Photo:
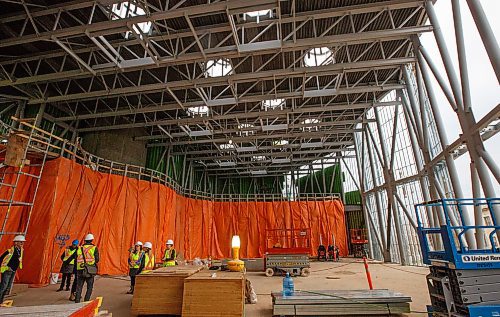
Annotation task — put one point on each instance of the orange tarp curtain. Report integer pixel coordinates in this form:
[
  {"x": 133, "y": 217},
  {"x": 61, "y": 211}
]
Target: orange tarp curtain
[{"x": 74, "y": 200}]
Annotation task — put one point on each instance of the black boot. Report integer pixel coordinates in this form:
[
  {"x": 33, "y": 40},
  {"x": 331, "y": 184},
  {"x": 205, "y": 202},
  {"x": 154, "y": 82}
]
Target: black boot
[
  {"x": 60, "y": 289},
  {"x": 131, "y": 291}
]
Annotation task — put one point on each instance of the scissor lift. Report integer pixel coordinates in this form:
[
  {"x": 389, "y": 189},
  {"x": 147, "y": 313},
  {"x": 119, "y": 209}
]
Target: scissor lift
[
  {"x": 359, "y": 241},
  {"x": 462, "y": 281},
  {"x": 288, "y": 250}
]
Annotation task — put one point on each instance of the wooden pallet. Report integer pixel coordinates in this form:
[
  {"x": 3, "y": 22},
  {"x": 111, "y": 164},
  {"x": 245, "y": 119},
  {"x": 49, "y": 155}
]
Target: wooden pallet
[
  {"x": 222, "y": 295},
  {"x": 159, "y": 292},
  {"x": 341, "y": 302}
]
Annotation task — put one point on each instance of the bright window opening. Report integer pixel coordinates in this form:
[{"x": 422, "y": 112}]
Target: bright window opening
[
  {"x": 258, "y": 15},
  {"x": 127, "y": 9},
  {"x": 280, "y": 142},
  {"x": 311, "y": 124},
  {"x": 274, "y": 103},
  {"x": 319, "y": 56},
  {"x": 198, "y": 111},
  {"x": 218, "y": 68},
  {"x": 259, "y": 158}
]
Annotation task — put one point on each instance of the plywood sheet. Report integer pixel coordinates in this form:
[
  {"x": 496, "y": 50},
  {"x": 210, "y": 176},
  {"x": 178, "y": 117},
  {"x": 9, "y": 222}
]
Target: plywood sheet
[
  {"x": 206, "y": 294},
  {"x": 161, "y": 291}
]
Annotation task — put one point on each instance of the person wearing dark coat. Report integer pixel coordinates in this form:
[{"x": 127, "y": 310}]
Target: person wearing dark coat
[{"x": 68, "y": 266}]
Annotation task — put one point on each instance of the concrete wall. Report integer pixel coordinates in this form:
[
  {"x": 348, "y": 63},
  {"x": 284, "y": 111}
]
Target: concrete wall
[{"x": 117, "y": 145}]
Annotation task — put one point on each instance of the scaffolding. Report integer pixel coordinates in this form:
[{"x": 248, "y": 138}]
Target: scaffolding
[{"x": 22, "y": 164}]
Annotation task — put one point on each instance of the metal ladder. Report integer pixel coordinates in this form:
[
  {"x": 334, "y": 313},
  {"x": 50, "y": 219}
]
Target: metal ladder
[{"x": 37, "y": 147}]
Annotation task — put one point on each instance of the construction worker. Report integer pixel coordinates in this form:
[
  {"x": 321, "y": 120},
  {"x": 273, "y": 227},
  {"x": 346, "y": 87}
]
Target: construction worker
[
  {"x": 68, "y": 265},
  {"x": 87, "y": 257},
  {"x": 170, "y": 254},
  {"x": 149, "y": 258},
  {"x": 11, "y": 259},
  {"x": 135, "y": 264}
]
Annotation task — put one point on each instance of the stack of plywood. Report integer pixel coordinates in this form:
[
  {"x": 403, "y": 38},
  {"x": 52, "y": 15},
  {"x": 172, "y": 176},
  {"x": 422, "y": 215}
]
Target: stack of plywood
[
  {"x": 85, "y": 309},
  {"x": 341, "y": 302},
  {"x": 159, "y": 292},
  {"x": 220, "y": 295}
]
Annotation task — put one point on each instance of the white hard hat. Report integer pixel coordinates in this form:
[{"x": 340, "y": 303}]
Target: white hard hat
[
  {"x": 89, "y": 237},
  {"x": 138, "y": 243},
  {"x": 19, "y": 238},
  {"x": 148, "y": 245},
  {"x": 170, "y": 241}
]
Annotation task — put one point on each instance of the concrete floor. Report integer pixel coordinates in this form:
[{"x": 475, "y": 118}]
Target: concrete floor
[{"x": 347, "y": 274}]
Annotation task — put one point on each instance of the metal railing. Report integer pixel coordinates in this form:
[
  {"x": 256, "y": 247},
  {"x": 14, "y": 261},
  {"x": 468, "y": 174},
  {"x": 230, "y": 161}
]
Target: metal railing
[{"x": 75, "y": 152}]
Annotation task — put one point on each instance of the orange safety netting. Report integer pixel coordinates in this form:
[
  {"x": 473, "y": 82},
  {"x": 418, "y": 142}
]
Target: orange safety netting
[{"x": 74, "y": 200}]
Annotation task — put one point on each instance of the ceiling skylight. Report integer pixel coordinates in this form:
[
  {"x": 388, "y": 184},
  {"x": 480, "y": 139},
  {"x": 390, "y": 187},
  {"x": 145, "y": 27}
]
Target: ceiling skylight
[
  {"x": 319, "y": 56},
  {"x": 310, "y": 124},
  {"x": 198, "y": 111},
  {"x": 280, "y": 142},
  {"x": 226, "y": 146},
  {"x": 273, "y": 103},
  {"x": 258, "y": 15},
  {"x": 218, "y": 67},
  {"x": 127, "y": 9},
  {"x": 258, "y": 158},
  {"x": 246, "y": 128}
]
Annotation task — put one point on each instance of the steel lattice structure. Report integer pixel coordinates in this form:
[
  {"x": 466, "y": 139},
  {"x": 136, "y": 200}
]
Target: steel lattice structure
[{"x": 88, "y": 68}]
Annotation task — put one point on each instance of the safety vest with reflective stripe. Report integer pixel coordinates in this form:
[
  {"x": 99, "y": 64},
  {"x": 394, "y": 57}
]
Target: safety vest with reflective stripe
[
  {"x": 7, "y": 258},
  {"x": 87, "y": 251},
  {"x": 134, "y": 260},
  {"x": 150, "y": 262},
  {"x": 69, "y": 253},
  {"x": 167, "y": 255}
]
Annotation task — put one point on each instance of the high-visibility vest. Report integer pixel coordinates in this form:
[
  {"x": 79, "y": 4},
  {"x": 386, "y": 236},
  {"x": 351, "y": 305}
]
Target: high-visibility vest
[
  {"x": 167, "y": 255},
  {"x": 134, "y": 260},
  {"x": 69, "y": 253},
  {"x": 150, "y": 263},
  {"x": 87, "y": 251},
  {"x": 7, "y": 258}
]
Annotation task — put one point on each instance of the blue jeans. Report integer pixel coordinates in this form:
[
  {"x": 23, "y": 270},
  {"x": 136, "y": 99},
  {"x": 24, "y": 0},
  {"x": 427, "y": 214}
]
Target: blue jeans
[{"x": 7, "y": 278}]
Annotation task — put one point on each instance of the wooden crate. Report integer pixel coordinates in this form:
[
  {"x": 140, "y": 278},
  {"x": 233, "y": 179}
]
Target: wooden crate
[
  {"x": 159, "y": 292},
  {"x": 223, "y": 295}
]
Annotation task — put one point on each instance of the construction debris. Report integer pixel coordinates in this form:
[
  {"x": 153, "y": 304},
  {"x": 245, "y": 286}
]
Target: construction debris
[{"x": 341, "y": 302}]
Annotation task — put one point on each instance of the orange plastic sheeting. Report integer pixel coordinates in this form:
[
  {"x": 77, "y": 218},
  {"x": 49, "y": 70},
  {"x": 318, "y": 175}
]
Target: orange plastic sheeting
[{"x": 74, "y": 200}]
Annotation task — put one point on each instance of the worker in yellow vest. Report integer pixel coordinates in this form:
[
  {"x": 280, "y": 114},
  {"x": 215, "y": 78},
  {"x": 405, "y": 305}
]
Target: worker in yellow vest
[
  {"x": 149, "y": 257},
  {"x": 11, "y": 260},
  {"x": 87, "y": 257},
  {"x": 135, "y": 264},
  {"x": 170, "y": 254},
  {"x": 68, "y": 265}
]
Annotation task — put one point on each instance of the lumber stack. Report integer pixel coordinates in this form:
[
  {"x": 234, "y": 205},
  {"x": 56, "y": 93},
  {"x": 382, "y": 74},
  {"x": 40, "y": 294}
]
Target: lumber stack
[
  {"x": 207, "y": 295},
  {"x": 85, "y": 309},
  {"x": 341, "y": 302},
  {"x": 159, "y": 292}
]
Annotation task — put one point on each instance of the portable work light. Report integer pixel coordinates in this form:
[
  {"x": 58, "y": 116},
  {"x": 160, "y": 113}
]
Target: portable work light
[{"x": 236, "y": 265}]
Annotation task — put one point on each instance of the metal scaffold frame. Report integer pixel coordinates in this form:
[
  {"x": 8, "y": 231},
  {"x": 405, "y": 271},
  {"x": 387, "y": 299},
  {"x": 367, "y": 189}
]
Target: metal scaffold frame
[
  {"x": 429, "y": 173},
  {"x": 32, "y": 157}
]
